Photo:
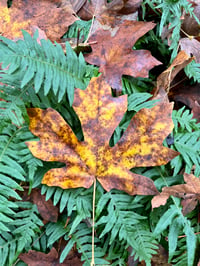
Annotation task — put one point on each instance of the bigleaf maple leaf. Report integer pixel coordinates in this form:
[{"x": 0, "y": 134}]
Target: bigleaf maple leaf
[
  {"x": 92, "y": 158},
  {"x": 51, "y": 16},
  {"x": 112, "y": 51}
]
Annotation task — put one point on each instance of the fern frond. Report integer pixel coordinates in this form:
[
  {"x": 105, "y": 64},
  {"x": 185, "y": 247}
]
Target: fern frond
[
  {"x": 56, "y": 230},
  {"x": 132, "y": 85},
  {"x": 120, "y": 218},
  {"x": 180, "y": 257},
  {"x": 11, "y": 105},
  {"x": 116, "y": 252},
  {"x": 78, "y": 200},
  {"x": 183, "y": 121},
  {"x": 171, "y": 12},
  {"x": 143, "y": 242},
  {"x": 138, "y": 101},
  {"x": 11, "y": 173},
  {"x": 23, "y": 228},
  {"x": 46, "y": 65},
  {"x": 192, "y": 70},
  {"x": 121, "y": 221},
  {"x": 188, "y": 144},
  {"x": 79, "y": 28},
  {"x": 82, "y": 238},
  {"x": 171, "y": 218}
]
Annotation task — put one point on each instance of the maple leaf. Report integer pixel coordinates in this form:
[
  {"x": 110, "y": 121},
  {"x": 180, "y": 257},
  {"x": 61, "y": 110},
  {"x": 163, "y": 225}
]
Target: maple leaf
[
  {"x": 112, "y": 51},
  {"x": 92, "y": 158},
  {"x": 47, "y": 15},
  {"x": 190, "y": 192}
]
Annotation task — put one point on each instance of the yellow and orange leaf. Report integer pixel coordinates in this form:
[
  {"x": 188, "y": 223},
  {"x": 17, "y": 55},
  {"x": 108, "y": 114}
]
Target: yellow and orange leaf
[
  {"x": 51, "y": 16},
  {"x": 92, "y": 158}
]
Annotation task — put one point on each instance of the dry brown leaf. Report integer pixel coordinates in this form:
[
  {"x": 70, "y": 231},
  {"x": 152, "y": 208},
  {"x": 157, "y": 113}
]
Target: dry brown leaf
[
  {"x": 115, "y": 8},
  {"x": 112, "y": 51},
  {"x": 100, "y": 113},
  {"x": 189, "y": 24},
  {"x": 191, "y": 47},
  {"x": 36, "y": 258},
  {"x": 188, "y": 96},
  {"x": 189, "y": 192},
  {"x": 49, "y": 15},
  {"x": 47, "y": 210},
  {"x": 196, "y": 111},
  {"x": 165, "y": 78}
]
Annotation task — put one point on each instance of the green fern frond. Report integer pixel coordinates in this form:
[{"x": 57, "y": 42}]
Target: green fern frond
[
  {"x": 117, "y": 253},
  {"x": 120, "y": 218},
  {"x": 171, "y": 12},
  {"x": 11, "y": 173},
  {"x": 121, "y": 221},
  {"x": 11, "y": 106},
  {"x": 192, "y": 70},
  {"x": 132, "y": 85},
  {"x": 188, "y": 144},
  {"x": 143, "y": 242},
  {"x": 56, "y": 230},
  {"x": 45, "y": 64},
  {"x": 23, "y": 228},
  {"x": 79, "y": 27},
  {"x": 82, "y": 238},
  {"x": 183, "y": 121},
  {"x": 180, "y": 256},
  {"x": 138, "y": 101},
  {"x": 78, "y": 200},
  {"x": 171, "y": 218}
]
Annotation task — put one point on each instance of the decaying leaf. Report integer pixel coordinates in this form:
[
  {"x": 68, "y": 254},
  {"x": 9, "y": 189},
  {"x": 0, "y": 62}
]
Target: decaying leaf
[
  {"x": 100, "y": 114},
  {"x": 36, "y": 258},
  {"x": 188, "y": 96},
  {"x": 52, "y": 16},
  {"x": 112, "y": 51},
  {"x": 165, "y": 78},
  {"x": 189, "y": 192},
  {"x": 191, "y": 47},
  {"x": 102, "y": 7},
  {"x": 47, "y": 210}
]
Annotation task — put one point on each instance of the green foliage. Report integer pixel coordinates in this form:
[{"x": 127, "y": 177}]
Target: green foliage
[
  {"x": 174, "y": 219},
  {"x": 20, "y": 233},
  {"x": 192, "y": 70},
  {"x": 79, "y": 28},
  {"x": 171, "y": 12},
  {"x": 186, "y": 141},
  {"x": 123, "y": 222},
  {"x": 43, "y": 76},
  {"x": 46, "y": 65}
]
